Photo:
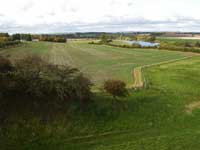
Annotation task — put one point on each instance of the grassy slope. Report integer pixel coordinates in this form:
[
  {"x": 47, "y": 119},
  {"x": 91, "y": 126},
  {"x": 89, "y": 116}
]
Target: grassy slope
[
  {"x": 98, "y": 61},
  {"x": 152, "y": 119},
  {"x": 176, "y": 39},
  {"x": 156, "y": 118}
]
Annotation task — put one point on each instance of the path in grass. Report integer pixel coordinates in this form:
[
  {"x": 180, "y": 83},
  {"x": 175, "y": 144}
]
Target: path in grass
[
  {"x": 139, "y": 79},
  {"x": 178, "y": 130}
]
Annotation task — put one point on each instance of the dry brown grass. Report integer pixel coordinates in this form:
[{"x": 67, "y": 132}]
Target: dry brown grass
[
  {"x": 192, "y": 106},
  {"x": 137, "y": 75}
]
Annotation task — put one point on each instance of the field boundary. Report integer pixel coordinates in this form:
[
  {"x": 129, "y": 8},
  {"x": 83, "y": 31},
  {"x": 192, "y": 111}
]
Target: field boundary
[{"x": 139, "y": 80}]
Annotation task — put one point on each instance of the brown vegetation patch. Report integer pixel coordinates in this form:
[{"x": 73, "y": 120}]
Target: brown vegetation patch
[{"x": 192, "y": 106}]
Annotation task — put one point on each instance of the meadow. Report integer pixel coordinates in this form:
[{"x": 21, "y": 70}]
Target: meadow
[
  {"x": 163, "y": 116},
  {"x": 99, "y": 62}
]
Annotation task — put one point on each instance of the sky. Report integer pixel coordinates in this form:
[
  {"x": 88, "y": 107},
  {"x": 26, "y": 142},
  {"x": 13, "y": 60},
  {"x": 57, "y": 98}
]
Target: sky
[{"x": 62, "y": 16}]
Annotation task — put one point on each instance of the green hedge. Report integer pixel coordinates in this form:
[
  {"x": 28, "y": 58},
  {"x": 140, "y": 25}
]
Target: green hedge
[{"x": 9, "y": 43}]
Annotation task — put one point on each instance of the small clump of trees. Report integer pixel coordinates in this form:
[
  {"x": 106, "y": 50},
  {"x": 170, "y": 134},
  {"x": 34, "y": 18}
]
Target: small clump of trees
[
  {"x": 16, "y": 37},
  {"x": 25, "y": 37},
  {"x": 116, "y": 88},
  {"x": 197, "y": 44},
  {"x": 105, "y": 39},
  {"x": 7, "y": 41},
  {"x": 37, "y": 79},
  {"x": 58, "y": 39}
]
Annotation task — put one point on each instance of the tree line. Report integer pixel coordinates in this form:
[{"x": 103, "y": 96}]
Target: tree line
[
  {"x": 15, "y": 37},
  {"x": 7, "y": 40},
  {"x": 53, "y": 38}
]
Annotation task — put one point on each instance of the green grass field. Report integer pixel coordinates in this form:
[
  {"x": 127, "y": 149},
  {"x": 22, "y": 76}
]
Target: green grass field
[
  {"x": 99, "y": 62},
  {"x": 164, "y": 116},
  {"x": 176, "y": 39}
]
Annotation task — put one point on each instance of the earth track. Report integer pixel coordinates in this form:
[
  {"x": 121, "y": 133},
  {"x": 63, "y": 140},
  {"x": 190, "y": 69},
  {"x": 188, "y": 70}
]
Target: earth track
[{"x": 137, "y": 73}]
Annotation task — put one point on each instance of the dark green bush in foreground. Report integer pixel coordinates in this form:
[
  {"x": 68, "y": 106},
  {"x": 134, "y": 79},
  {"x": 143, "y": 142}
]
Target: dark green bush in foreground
[{"x": 37, "y": 79}]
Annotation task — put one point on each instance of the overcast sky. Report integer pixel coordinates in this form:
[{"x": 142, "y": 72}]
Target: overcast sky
[{"x": 56, "y": 16}]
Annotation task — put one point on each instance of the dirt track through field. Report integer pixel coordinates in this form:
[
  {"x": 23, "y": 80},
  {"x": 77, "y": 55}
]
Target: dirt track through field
[
  {"x": 139, "y": 79},
  {"x": 60, "y": 55},
  {"x": 192, "y": 106}
]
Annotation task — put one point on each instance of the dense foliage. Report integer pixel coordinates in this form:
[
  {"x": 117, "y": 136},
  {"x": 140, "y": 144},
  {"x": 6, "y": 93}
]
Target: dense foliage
[
  {"x": 7, "y": 41},
  {"x": 35, "y": 78},
  {"x": 25, "y": 37},
  {"x": 105, "y": 39},
  {"x": 16, "y": 37},
  {"x": 48, "y": 38},
  {"x": 4, "y": 35},
  {"x": 6, "y": 44},
  {"x": 179, "y": 45},
  {"x": 116, "y": 88}
]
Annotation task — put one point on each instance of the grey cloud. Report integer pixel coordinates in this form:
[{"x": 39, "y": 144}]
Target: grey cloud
[
  {"x": 27, "y": 6},
  {"x": 130, "y": 4},
  {"x": 113, "y": 25},
  {"x": 40, "y": 16},
  {"x": 74, "y": 10},
  {"x": 51, "y": 13}
]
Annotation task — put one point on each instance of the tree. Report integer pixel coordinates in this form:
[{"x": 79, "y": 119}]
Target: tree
[
  {"x": 187, "y": 44},
  {"x": 16, "y": 37},
  {"x": 38, "y": 79},
  {"x": 105, "y": 39},
  {"x": 116, "y": 88},
  {"x": 26, "y": 37},
  {"x": 4, "y": 35},
  {"x": 151, "y": 38},
  {"x": 197, "y": 44}
]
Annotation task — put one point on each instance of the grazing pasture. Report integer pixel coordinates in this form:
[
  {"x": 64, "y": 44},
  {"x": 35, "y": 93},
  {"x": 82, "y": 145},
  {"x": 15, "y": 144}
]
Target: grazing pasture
[
  {"x": 163, "y": 116},
  {"x": 99, "y": 62}
]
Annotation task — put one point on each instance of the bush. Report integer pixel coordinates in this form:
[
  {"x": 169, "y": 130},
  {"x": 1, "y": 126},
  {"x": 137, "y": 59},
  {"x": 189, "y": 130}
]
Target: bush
[
  {"x": 16, "y": 37},
  {"x": 5, "y": 65},
  {"x": 37, "y": 79},
  {"x": 6, "y": 44},
  {"x": 105, "y": 39},
  {"x": 92, "y": 42},
  {"x": 116, "y": 88},
  {"x": 26, "y": 37},
  {"x": 197, "y": 44},
  {"x": 5, "y": 68}
]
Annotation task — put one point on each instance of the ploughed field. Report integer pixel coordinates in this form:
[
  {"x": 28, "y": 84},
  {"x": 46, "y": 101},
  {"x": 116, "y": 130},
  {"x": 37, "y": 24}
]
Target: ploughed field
[{"x": 99, "y": 62}]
